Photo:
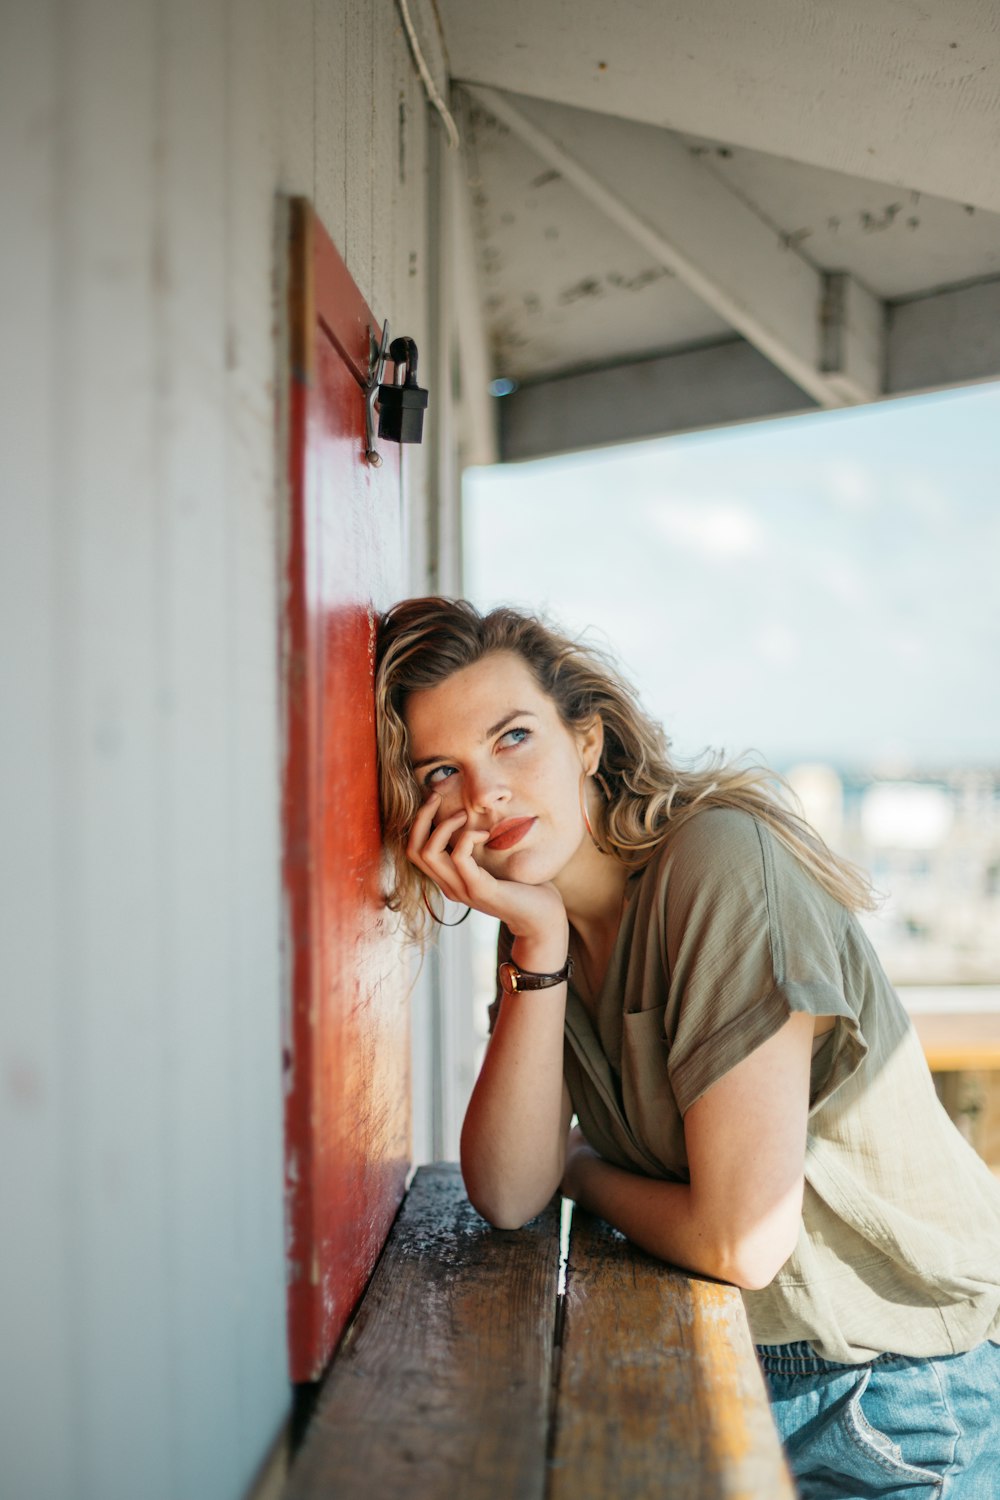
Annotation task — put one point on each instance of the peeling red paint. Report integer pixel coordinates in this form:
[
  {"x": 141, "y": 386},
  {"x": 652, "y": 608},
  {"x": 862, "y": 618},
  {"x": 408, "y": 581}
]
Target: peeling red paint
[{"x": 347, "y": 1102}]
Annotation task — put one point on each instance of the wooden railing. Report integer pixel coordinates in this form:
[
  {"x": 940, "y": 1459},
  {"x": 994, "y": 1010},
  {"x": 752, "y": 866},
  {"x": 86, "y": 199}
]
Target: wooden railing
[{"x": 469, "y": 1372}]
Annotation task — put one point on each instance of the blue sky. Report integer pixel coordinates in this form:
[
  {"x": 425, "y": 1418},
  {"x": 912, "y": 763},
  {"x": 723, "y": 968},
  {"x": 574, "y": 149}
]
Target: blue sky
[{"x": 822, "y": 587}]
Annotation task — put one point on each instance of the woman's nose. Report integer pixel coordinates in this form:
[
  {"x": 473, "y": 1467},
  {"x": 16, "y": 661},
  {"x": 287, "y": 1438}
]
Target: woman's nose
[{"x": 485, "y": 791}]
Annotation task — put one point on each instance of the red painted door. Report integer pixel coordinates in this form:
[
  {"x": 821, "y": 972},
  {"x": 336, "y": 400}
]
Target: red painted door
[{"x": 347, "y": 1058}]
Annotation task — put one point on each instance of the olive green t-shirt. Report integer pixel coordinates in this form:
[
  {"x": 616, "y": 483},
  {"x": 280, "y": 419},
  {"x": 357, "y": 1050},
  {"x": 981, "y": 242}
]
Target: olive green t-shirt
[{"x": 723, "y": 935}]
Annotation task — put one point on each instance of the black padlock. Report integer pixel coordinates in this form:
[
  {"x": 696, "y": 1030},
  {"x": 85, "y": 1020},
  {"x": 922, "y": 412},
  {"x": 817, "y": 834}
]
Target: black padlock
[{"x": 402, "y": 404}]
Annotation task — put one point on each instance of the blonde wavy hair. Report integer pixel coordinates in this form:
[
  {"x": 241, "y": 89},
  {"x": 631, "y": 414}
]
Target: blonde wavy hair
[{"x": 422, "y": 642}]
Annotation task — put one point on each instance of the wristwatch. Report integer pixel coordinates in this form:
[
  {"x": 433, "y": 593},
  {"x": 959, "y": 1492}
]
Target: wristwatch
[{"x": 513, "y": 979}]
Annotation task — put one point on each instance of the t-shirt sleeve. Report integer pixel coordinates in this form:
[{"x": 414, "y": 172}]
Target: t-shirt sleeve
[{"x": 750, "y": 937}]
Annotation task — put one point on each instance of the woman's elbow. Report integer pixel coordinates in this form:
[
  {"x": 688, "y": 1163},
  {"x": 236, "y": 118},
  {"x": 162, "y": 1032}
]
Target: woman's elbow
[
  {"x": 753, "y": 1274},
  {"x": 503, "y": 1203},
  {"x": 753, "y": 1262},
  {"x": 502, "y": 1210},
  {"x": 506, "y": 1199},
  {"x": 498, "y": 1218}
]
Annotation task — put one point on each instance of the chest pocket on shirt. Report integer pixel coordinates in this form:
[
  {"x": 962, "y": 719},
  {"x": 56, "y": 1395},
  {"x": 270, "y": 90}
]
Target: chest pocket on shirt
[{"x": 650, "y": 1107}]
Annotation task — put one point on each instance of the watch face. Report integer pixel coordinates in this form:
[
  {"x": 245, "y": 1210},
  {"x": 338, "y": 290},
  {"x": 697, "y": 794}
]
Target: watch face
[
  {"x": 514, "y": 980},
  {"x": 508, "y": 976}
]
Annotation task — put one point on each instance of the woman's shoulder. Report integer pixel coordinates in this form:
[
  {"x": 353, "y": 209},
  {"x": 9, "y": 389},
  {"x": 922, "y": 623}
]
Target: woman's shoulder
[
  {"x": 714, "y": 834},
  {"x": 714, "y": 850},
  {"x": 723, "y": 858},
  {"x": 729, "y": 849}
]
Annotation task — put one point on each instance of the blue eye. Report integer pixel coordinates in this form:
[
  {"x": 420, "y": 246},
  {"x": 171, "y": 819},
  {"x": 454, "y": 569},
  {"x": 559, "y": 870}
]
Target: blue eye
[
  {"x": 509, "y": 740},
  {"x": 439, "y": 774}
]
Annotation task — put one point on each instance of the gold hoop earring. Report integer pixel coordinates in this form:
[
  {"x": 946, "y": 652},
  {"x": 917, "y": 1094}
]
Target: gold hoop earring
[
  {"x": 583, "y": 808},
  {"x": 440, "y": 923}
]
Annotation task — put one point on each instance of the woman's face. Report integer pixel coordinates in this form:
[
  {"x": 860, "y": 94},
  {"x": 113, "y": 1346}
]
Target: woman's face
[{"x": 493, "y": 746}]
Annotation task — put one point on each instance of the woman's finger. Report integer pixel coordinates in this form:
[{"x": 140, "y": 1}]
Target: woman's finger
[
  {"x": 463, "y": 854},
  {"x": 429, "y": 839},
  {"x": 456, "y": 872},
  {"x": 434, "y": 857},
  {"x": 422, "y": 825},
  {"x": 445, "y": 878},
  {"x": 440, "y": 839}
]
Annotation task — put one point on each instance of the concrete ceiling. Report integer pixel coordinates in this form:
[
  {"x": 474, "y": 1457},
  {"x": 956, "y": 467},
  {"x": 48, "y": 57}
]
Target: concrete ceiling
[
  {"x": 651, "y": 177},
  {"x": 904, "y": 92}
]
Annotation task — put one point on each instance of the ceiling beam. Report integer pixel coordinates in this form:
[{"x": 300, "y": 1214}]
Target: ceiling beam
[
  {"x": 950, "y": 337},
  {"x": 945, "y": 339},
  {"x": 826, "y": 334},
  {"x": 717, "y": 385}
]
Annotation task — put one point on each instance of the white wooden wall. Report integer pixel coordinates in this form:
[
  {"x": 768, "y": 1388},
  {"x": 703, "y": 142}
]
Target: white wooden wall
[{"x": 141, "y": 1252}]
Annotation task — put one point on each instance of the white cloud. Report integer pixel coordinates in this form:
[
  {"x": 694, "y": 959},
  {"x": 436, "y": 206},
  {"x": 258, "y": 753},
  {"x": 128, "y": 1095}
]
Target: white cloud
[{"x": 717, "y": 529}]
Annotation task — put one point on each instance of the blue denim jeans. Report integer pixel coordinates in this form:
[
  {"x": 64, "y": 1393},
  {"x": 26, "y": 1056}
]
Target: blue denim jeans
[{"x": 917, "y": 1429}]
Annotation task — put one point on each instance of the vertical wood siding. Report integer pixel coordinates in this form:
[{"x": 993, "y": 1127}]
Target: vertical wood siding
[
  {"x": 35, "y": 1301},
  {"x": 142, "y": 1261}
]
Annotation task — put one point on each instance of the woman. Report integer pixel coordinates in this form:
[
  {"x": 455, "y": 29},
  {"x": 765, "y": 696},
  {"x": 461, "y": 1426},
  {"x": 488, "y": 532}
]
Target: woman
[{"x": 682, "y": 969}]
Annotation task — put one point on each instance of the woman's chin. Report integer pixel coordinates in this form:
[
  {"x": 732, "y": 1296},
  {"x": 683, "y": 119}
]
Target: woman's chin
[
  {"x": 526, "y": 866},
  {"x": 502, "y": 863}
]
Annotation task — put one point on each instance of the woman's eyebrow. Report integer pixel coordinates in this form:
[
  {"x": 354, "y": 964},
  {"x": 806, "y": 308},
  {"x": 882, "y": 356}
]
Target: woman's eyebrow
[{"x": 517, "y": 713}]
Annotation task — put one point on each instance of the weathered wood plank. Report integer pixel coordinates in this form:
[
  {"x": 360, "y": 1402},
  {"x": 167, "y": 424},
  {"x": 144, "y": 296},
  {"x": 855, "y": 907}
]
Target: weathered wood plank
[
  {"x": 39, "y": 1400},
  {"x": 256, "y": 988},
  {"x": 442, "y": 1384},
  {"x": 414, "y": 293},
  {"x": 659, "y": 1389},
  {"x": 114, "y": 887},
  {"x": 386, "y": 38},
  {"x": 295, "y": 83},
  {"x": 359, "y": 143},
  {"x": 195, "y": 534},
  {"x": 337, "y": 188}
]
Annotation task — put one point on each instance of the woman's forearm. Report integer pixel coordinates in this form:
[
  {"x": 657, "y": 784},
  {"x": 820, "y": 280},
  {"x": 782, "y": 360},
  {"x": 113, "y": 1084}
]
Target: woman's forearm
[
  {"x": 740, "y": 1216},
  {"x": 667, "y": 1220},
  {"x": 514, "y": 1135}
]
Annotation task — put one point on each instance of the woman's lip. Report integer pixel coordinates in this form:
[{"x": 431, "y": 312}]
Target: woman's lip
[{"x": 509, "y": 833}]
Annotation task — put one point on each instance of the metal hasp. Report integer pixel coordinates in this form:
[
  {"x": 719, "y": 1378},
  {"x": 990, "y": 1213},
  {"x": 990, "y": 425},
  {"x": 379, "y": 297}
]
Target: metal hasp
[
  {"x": 376, "y": 368},
  {"x": 402, "y": 404}
]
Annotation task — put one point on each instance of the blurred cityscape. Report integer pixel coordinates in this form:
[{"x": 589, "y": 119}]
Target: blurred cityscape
[{"x": 931, "y": 842}]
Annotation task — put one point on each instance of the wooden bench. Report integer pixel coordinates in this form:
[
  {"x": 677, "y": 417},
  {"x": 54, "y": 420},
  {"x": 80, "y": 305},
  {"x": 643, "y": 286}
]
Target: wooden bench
[{"x": 473, "y": 1368}]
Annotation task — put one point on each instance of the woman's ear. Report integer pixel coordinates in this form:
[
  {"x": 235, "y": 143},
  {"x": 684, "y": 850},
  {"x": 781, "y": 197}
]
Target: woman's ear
[{"x": 591, "y": 742}]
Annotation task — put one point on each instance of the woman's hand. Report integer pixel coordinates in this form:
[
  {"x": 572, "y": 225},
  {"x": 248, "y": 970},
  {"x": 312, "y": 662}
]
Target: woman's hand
[{"x": 447, "y": 853}]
